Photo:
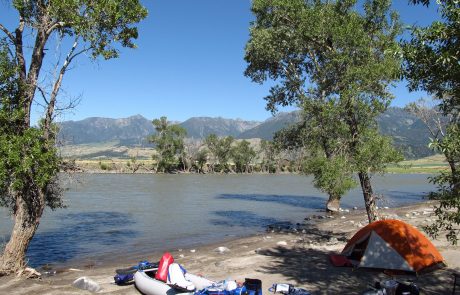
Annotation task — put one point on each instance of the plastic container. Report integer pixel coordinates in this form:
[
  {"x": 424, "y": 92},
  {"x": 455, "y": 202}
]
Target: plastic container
[{"x": 390, "y": 287}]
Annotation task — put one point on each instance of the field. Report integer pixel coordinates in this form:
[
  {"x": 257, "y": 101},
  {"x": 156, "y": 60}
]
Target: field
[{"x": 432, "y": 164}]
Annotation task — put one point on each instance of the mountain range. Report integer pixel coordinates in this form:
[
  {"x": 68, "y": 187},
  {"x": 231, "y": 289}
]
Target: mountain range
[{"x": 408, "y": 132}]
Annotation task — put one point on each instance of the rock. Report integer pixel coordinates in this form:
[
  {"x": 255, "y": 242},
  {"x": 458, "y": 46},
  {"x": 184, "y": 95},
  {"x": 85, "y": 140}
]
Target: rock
[
  {"x": 282, "y": 243},
  {"x": 85, "y": 283},
  {"x": 333, "y": 206},
  {"x": 352, "y": 221},
  {"x": 193, "y": 250},
  {"x": 221, "y": 250},
  {"x": 333, "y": 241}
]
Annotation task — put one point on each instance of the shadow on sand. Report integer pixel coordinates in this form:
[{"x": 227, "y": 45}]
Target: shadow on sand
[{"x": 311, "y": 268}]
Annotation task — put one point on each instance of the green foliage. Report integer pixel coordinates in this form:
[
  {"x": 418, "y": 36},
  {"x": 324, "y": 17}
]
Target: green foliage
[
  {"x": 201, "y": 159},
  {"x": 336, "y": 62},
  {"x": 220, "y": 148},
  {"x": 100, "y": 23},
  {"x": 270, "y": 151},
  {"x": 28, "y": 161},
  {"x": 105, "y": 166},
  {"x": 432, "y": 64},
  {"x": 169, "y": 144},
  {"x": 242, "y": 154},
  {"x": 432, "y": 55},
  {"x": 332, "y": 176},
  {"x": 448, "y": 182}
]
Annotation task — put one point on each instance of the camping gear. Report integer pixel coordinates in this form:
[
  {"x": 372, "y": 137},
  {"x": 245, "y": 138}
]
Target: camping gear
[
  {"x": 339, "y": 260},
  {"x": 393, "y": 287},
  {"x": 407, "y": 288},
  {"x": 288, "y": 289},
  {"x": 253, "y": 286},
  {"x": 176, "y": 278},
  {"x": 126, "y": 275},
  {"x": 392, "y": 245},
  {"x": 146, "y": 283},
  {"x": 249, "y": 287},
  {"x": 390, "y": 287},
  {"x": 165, "y": 261}
]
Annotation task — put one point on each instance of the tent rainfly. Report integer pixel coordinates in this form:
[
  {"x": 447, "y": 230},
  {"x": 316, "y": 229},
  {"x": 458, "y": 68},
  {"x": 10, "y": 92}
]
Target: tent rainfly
[{"x": 392, "y": 245}]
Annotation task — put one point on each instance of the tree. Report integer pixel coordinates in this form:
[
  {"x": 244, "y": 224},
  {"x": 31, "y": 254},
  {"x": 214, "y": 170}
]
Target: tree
[
  {"x": 431, "y": 64},
  {"x": 271, "y": 155},
  {"x": 330, "y": 55},
  {"x": 323, "y": 133},
  {"x": 201, "y": 159},
  {"x": 169, "y": 144},
  {"x": 220, "y": 149},
  {"x": 242, "y": 154},
  {"x": 29, "y": 160}
]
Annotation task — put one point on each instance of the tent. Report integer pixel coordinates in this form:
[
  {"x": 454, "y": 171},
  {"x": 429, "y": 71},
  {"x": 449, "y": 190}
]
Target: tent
[{"x": 392, "y": 245}]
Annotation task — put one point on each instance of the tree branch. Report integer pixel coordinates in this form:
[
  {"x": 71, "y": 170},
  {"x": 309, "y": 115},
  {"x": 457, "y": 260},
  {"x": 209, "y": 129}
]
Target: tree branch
[
  {"x": 8, "y": 33},
  {"x": 57, "y": 86},
  {"x": 54, "y": 26}
]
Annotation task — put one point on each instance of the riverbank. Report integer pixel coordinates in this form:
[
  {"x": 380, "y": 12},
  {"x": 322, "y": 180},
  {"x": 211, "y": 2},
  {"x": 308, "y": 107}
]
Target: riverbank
[
  {"x": 299, "y": 258},
  {"x": 429, "y": 165}
]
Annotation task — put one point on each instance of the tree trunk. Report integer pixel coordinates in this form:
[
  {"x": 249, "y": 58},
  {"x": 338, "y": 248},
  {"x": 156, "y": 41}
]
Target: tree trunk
[
  {"x": 333, "y": 203},
  {"x": 26, "y": 220},
  {"x": 369, "y": 199}
]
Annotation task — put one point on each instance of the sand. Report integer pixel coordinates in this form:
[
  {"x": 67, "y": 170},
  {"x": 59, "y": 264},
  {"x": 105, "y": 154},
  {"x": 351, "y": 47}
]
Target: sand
[{"x": 277, "y": 256}]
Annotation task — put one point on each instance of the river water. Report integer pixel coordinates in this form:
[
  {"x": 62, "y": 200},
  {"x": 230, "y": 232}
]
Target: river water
[{"x": 123, "y": 214}]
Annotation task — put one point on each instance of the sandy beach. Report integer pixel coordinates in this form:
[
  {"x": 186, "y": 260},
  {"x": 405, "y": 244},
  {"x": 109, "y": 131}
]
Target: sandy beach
[{"x": 299, "y": 257}]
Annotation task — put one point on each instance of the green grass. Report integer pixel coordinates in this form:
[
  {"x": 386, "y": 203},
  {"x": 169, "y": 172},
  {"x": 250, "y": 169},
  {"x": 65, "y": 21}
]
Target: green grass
[{"x": 431, "y": 164}]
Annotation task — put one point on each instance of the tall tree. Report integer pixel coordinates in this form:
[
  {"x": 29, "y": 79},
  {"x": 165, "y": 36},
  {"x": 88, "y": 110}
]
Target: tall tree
[
  {"x": 169, "y": 144},
  {"x": 29, "y": 171},
  {"x": 220, "y": 148},
  {"x": 242, "y": 154},
  {"x": 330, "y": 54},
  {"x": 432, "y": 64}
]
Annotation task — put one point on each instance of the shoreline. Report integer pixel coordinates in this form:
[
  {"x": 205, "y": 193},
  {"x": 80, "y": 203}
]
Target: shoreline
[{"x": 299, "y": 257}]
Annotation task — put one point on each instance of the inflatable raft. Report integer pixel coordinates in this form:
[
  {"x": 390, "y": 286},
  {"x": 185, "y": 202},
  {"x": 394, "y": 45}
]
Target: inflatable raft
[{"x": 146, "y": 283}]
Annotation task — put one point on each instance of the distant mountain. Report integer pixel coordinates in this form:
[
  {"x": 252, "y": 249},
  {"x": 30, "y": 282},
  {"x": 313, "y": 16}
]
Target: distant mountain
[
  {"x": 128, "y": 131},
  {"x": 134, "y": 130},
  {"x": 267, "y": 129},
  {"x": 408, "y": 132},
  {"x": 201, "y": 127}
]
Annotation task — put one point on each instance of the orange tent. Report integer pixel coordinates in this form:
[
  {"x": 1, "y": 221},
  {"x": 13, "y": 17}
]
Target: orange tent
[{"x": 392, "y": 245}]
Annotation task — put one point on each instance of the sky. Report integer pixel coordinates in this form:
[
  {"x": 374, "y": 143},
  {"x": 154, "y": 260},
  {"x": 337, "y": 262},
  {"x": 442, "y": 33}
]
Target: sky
[{"x": 189, "y": 63}]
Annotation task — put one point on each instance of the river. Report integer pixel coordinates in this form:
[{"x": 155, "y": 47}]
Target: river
[{"x": 122, "y": 214}]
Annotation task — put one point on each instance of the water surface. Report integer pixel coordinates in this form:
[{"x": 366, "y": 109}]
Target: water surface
[{"x": 144, "y": 213}]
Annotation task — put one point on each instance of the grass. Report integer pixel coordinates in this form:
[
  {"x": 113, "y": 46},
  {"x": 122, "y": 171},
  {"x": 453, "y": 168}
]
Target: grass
[{"x": 431, "y": 164}]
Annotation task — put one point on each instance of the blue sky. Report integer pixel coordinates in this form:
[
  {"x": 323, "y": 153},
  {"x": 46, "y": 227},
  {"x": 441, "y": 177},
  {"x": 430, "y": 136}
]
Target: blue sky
[{"x": 189, "y": 62}]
